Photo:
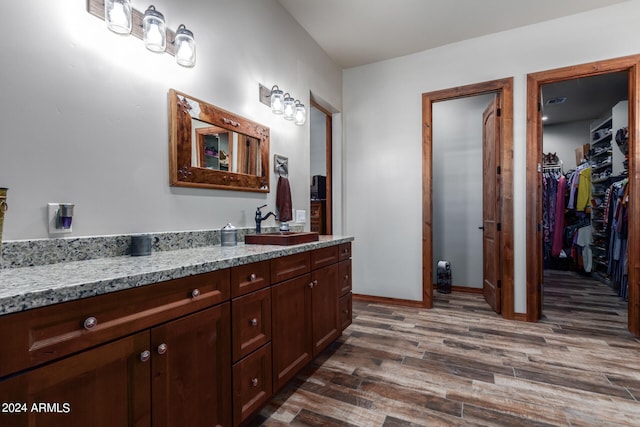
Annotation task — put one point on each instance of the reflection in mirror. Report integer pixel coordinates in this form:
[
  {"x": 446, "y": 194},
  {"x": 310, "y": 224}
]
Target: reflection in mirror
[{"x": 212, "y": 148}]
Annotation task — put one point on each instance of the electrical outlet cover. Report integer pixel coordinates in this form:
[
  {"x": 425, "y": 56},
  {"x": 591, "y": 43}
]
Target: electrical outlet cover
[{"x": 301, "y": 215}]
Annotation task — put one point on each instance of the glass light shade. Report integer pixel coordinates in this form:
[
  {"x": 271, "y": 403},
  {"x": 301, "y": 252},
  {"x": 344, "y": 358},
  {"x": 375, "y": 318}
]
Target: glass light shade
[
  {"x": 117, "y": 14},
  {"x": 277, "y": 100},
  {"x": 154, "y": 30},
  {"x": 185, "y": 47},
  {"x": 289, "y": 107},
  {"x": 301, "y": 114}
]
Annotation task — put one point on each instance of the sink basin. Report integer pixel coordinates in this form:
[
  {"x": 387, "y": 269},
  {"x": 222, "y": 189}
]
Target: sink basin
[{"x": 282, "y": 238}]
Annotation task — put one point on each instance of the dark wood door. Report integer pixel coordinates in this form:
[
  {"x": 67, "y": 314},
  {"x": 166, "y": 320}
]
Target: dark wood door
[
  {"x": 191, "y": 370},
  {"x": 292, "y": 341},
  {"x": 490, "y": 205},
  {"x": 106, "y": 386},
  {"x": 324, "y": 302}
]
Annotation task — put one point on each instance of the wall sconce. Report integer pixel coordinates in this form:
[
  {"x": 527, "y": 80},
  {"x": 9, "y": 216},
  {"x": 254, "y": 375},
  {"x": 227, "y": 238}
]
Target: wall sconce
[
  {"x": 118, "y": 15},
  {"x": 283, "y": 104},
  {"x": 301, "y": 113},
  {"x": 154, "y": 30},
  {"x": 277, "y": 100},
  {"x": 149, "y": 27},
  {"x": 289, "y": 107},
  {"x": 60, "y": 217},
  {"x": 185, "y": 47}
]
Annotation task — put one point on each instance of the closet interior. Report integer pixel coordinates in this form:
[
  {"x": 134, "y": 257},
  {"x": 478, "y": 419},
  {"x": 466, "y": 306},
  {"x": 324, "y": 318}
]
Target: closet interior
[{"x": 585, "y": 178}]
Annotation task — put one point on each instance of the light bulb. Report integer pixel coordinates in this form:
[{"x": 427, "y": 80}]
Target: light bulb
[{"x": 289, "y": 107}]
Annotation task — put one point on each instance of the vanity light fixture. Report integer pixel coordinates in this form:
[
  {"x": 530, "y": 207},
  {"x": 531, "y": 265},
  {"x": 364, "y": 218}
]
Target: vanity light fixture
[
  {"x": 277, "y": 100},
  {"x": 149, "y": 27},
  {"x": 283, "y": 104},
  {"x": 118, "y": 15},
  {"x": 154, "y": 30},
  {"x": 301, "y": 113},
  {"x": 185, "y": 47},
  {"x": 289, "y": 107}
]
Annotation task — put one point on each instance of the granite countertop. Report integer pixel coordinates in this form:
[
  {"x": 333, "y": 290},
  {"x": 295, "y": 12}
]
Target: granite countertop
[{"x": 31, "y": 287}]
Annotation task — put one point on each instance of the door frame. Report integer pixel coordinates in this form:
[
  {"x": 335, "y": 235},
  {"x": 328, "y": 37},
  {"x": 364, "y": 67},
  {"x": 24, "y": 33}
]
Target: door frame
[
  {"x": 504, "y": 89},
  {"x": 630, "y": 64},
  {"x": 328, "y": 214}
]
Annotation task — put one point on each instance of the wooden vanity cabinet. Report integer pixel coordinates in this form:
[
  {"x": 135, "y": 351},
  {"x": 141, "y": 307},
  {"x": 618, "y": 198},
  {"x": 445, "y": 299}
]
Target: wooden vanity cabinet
[
  {"x": 169, "y": 363},
  {"x": 204, "y": 350},
  {"x": 251, "y": 325},
  {"x": 174, "y": 374},
  {"x": 305, "y": 314},
  {"x": 345, "y": 300}
]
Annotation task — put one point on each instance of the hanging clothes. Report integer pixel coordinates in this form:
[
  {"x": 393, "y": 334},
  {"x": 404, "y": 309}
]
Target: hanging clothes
[{"x": 556, "y": 245}]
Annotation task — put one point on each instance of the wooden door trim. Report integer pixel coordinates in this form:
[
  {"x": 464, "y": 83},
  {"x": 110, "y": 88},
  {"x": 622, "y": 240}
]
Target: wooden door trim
[
  {"x": 630, "y": 64},
  {"x": 504, "y": 88},
  {"x": 328, "y": 215}
]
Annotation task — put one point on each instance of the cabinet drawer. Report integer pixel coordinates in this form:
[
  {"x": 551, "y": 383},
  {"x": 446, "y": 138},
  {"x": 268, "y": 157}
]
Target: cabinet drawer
[
  {"x": 323, "y": 257},
  {"x": 252, "y": 386},
  {"x": 44, "y": 334},
  {"x": 345, "y": 251},
  {"x": 345, "y": 277},
  {"x": 249, "y": 278},
  {"x": 345, "y": 304},
  {"x": 289, "y": 266},
  {"x": 251, "y": 322}
]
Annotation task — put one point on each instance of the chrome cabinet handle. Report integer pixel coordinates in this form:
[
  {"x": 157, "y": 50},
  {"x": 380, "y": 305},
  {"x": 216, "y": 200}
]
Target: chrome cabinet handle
[
  {"x": 195, "y": 293},
  {"x": 90, "y": 323},
  {"x": 145, "y": 356},
  {"x": 254, "y": 382},
  {"x": 252, "y": 277},
  {"x": 254, "y": 322},
  {"x": 162, "y": 348}
]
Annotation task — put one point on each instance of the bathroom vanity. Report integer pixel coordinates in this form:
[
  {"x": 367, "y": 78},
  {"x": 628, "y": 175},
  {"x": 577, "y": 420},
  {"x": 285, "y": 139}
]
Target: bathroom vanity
[{"x": 190, "y": 337}]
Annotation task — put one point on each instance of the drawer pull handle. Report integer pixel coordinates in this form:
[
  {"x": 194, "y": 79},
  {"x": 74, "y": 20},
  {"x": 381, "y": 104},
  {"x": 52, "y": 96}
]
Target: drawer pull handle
[
  {"x": 145, "y": 356},
  {"x": 311, "y": 285},
  {"x": 315, "y": 283},
  {"x": 254, "y": 382},
  {"x": 90, "y": 323},
  {"x": 346, "y": 277},
  {"x": 195, "y": 293},
  {"x": 254, "y": 322},
  {"x": 252, "y": 277},
  {"x": 162, "y": 348}
]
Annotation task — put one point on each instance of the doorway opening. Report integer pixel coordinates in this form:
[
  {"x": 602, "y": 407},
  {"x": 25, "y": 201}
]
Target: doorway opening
[
  {"x": 535, "y": 169},
  {"x": 321, "y": 171},
  {"x": 502, "y": 175}
]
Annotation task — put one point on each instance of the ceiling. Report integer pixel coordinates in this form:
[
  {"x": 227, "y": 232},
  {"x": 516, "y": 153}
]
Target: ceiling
[{"x": 359, "y": 32}]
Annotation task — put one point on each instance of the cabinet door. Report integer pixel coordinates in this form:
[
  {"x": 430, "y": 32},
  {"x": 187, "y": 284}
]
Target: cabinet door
[
  {"x": 191, "y": 370},
  {"x": 345, "y": 277},
  {"x": 251, "y": 323},
  {"x": 105, "y": 386},
  {"x": 291, "y": 328},
  {"x": 325, "y": 307}
]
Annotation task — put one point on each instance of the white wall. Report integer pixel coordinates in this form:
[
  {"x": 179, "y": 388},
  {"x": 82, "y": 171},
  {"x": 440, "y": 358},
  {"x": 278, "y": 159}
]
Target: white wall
[
  {"x": 563, "y": 139},
  {"x": 84, "y": 117},
  {"x": 385, "y": 98},
  {"x": 457, "y": 187}
]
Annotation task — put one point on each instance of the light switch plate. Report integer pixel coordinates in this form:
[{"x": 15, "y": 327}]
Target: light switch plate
[
  {"x": 53, "y": 218},
  {"x": 301, "y": 215}
]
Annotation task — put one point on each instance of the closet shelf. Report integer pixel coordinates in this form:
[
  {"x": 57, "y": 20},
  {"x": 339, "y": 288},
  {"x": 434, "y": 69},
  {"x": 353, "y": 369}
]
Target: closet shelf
[
  {"x": 596, "y": 181},
  {"x": 609, "y": 152},
  {"x": 606, "y": 138},
  {"x": 601, "y": 166}
]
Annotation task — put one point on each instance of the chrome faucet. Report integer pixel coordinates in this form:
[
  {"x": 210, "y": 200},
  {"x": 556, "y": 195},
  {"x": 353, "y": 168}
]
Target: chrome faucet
[{"x": 260, "y": 218}]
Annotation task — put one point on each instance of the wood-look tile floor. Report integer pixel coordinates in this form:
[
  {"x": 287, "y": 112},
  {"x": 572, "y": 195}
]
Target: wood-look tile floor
[{"x": 460, "y": 364}]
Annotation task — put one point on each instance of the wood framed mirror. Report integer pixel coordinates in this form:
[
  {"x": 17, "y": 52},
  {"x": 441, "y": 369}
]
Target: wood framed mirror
[{"x": 213, "y": 148}]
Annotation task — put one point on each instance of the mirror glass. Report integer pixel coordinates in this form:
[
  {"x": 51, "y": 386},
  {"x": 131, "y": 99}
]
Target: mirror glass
[{"x": 213, "y": 148}]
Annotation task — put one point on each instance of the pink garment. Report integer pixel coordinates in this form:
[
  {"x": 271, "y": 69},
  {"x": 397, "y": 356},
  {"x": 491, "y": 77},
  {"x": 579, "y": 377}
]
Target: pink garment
[{"x": 559, "y": 218}]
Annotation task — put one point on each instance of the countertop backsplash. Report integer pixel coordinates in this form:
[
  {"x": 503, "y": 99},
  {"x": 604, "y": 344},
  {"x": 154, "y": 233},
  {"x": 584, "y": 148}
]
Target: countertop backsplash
[{"x": 27, "y": 253}]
